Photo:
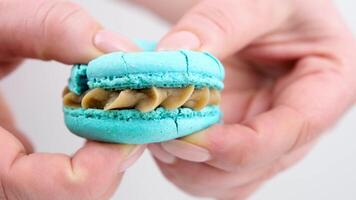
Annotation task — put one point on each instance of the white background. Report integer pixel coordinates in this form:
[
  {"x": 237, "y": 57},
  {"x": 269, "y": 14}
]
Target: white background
[{"x": 34, "y": 92}]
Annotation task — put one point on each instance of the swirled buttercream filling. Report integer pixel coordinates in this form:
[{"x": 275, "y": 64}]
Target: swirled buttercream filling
[{"x": 144, "y": 100}]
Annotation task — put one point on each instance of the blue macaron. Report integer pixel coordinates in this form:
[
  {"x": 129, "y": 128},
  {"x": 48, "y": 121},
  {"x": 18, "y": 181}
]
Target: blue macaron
[{"x": 120, "y": 71}]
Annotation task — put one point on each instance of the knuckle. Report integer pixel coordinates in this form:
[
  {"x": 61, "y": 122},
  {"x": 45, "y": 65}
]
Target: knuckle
[
  {"x": 75, "y": 177},
  {"x": 305, "y": 136},
  {"x": 231, "y": 151},
  {"x": 192, "y": 181},
  {"x": 305, "y": 130},
  {"x": 57, "y": 14},
  {"x": 170, "y": 175},
  {"x": 69, "y": 180},
  {"x": 62, "y": 12},
  {"x": 5, "y": 192},
  {"x": 184, "y": 176},
  {"x": 217, "y": 145},
  {"x": 77, "y": 182},
  {"x": 55, "y": 21},
  {"x": 57, "y": 11},
  {"x": 250, "y": 154},
  {"x": 244, "y": 158},
  {"x": 2, "y": 190},
  {"x": 193, "y": 188},
  {"x": 84, "y": 182},
  {"x": 215, "y": 17},
  {"x": 217, "y": 140}
]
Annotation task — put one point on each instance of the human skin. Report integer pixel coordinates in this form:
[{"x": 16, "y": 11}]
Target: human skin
[
  {"x": 62, "y": 31},
  {"x": 290, "y": 75}
]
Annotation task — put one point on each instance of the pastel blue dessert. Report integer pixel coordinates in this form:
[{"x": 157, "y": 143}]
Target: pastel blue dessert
[{"x": 144, "y": 97}]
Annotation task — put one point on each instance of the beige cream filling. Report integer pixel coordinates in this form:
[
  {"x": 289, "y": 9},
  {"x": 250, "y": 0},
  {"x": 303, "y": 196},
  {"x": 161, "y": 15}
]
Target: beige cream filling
[{"x": 144, "y": 100}]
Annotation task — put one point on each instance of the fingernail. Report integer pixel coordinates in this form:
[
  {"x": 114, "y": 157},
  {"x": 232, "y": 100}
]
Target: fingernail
[
  {"x": 108, "y": 41},
  {"x": 133, "y": 152},
  {"x": 186, "y": 151},
  {"x": 179, "y": 40},
  {"x": 161, "y": 154}
]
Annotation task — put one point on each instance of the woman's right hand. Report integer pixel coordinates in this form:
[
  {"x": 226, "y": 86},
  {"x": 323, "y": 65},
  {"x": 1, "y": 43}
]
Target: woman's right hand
[{"x": 62, "y": 31}]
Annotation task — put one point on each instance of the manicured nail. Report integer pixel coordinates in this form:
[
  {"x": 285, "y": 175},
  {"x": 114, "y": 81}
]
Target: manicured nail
[
  {"x": 107, "y": 41},
  {"x": 186, "y": 151},
  {"x": 161, "y": 154},
  {"x": 179, "y": 40},
  {"x": 131, "y": 155}
]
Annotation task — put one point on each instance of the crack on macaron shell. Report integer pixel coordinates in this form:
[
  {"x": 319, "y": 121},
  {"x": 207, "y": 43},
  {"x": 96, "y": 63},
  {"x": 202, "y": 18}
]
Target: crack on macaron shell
[
  {"x": 176, "y": 121},
  {"x": 186, "y": 60},
  {"x": 125, "y": 63}
]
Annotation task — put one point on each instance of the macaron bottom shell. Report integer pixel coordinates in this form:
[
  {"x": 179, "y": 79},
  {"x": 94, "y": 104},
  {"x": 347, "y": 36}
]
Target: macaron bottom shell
[{"x": 130, "y": 126}]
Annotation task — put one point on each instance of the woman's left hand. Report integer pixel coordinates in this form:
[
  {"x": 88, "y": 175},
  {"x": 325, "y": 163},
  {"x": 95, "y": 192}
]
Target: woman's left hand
[{"x": 290, "y": 74}]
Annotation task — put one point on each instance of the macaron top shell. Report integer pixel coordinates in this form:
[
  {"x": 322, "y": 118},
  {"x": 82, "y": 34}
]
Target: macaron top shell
[
  {"x": 120, "y": 63},
  {"x": 136, "y": 70}
]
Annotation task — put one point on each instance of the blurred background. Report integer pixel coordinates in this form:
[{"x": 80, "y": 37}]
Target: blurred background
[{"x": 34, "y": 93}]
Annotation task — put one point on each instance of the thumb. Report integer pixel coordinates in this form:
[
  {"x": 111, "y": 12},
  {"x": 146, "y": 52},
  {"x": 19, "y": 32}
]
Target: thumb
[
  {"x": 225, "y": 26},
  {"x": 53, "y": 29}
]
